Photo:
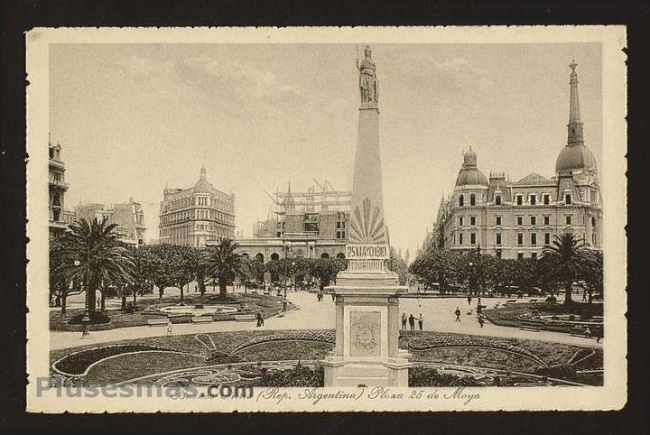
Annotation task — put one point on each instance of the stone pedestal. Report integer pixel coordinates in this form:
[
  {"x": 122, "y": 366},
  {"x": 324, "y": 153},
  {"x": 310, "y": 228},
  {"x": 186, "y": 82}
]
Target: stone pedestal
[{"x": 367, "y": 333}]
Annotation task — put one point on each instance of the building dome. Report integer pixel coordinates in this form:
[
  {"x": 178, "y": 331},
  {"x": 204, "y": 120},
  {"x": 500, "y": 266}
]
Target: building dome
[
  {"x": 469, "y": 173},
  {"x": 203, "y": 185},
  {"x": 575, "y": 157}
]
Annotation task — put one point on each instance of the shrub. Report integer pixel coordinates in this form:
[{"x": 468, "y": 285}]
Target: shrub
[
  {"x": 301, "y": 376},
  {"x": 429, "y": 377},
  {"x": 96, "y": 318}
]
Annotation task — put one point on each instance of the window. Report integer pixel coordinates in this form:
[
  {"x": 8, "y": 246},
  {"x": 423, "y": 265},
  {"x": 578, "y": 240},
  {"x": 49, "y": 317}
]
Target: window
[
  {"x": 593, "y": 239},
  {"x": 497, "y": 200},
  {"x": 520, "y": 220},
  {"x": 461, "y": 200},
  {"x": 498, "y": 239},
  {"x": 593, "y": 221},
  {"x": 547, "y": 238},
  {"x": 533, "y": 255},
  {"x": 567, "y": 199},
  {"x": 533, "y": 220},
  {"x": 460, "y": 221},
  {"x": 547, "y": 220},
  {"x": 498, "y": 220},
  {"x": 472, "y": 238},
  {"x": 472, "y": 199},
  {"x": 593, "y": 196},
  {"x": 568, "y": 219},
  {"x": 520, "y": 255},
  {"x": 338, "y": 225},
  {"x": 533, "y": 199},
  {"x": 460, "y": 239},
  {"x": 520, "y": 239},
  {"x": 533, "y": 239},
  {"x": 547, "y": 199},
  {"x": 520, "y": 199},
  {"x": 472, "y": 220}
]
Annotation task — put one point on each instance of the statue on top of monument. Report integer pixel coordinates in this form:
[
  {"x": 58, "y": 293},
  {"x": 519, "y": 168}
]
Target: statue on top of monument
[{"x": 368, "y": 78}]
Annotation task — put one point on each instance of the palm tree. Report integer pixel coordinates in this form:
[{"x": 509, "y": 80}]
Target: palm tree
[
  {"x": 224, "y": 264},
  {"x": 566, "y": 260},
  {"x": 93, "y": 255}
]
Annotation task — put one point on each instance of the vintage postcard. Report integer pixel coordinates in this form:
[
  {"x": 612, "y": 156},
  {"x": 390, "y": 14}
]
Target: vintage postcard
[{"x": 326, "y": 219}]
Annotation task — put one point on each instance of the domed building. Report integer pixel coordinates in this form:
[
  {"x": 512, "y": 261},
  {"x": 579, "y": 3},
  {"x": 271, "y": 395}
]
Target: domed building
[
  {"x": 516, "y": 219},
  {"x": 197, "y": 214}
]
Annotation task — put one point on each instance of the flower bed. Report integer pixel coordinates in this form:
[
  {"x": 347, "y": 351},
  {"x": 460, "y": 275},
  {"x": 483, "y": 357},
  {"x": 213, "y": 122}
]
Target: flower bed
[
  {"x": 307, "y": 335},
  {"x": 428, "y": 343},
  {"x": 77, "y": 363}
]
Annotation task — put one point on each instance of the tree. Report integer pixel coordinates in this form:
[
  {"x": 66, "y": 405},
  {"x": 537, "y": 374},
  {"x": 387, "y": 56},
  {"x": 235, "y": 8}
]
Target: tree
[
  {"x": 183, "y": 267},
  {"x": 162, "y": 266},
  {"x": 60, "y": 286},
  {"x": 326, "y": 269},
  {"x": 565, "y": 260},
  {"x": 591, "y": 279},
  {"x": 224, "y": 264},
  {"x": 143, "y": 274},
  {"x": 92, "y": 254}
]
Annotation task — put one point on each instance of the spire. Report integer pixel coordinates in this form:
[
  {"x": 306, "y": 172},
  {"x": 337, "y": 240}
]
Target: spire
[
  {"x": 203, "y": 172},
  {"x": 289, "y": 201},
  {"x": 575, "y": 125}
]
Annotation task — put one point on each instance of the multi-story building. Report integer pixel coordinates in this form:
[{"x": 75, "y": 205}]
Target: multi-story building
[
  {"x": 311, "y": 224},
  {"x": 517, "y": 219},
  {"x": 197, "y": 214},
  {"x": 129, "y": 218},
  {"x": 57, "y": 189}
]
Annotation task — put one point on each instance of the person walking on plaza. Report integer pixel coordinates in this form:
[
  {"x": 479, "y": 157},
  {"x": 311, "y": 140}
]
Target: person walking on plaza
[
  {"x": 420, "y": 321},
  {"x": 260, "y": 320},
  {"x": 481, "y": 320},
  {"x": 403, "y": 320},
  {"x": 469, "y": 300},
  {"x": 457, "y": 313},
  {"x": 169, "y": 326},
  {"x": 412, "y": 322}
]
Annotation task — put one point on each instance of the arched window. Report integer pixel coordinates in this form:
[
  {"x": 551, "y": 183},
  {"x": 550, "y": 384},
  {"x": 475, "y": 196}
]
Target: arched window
[
  {"x": 472, "y": 199},
  {"x": 275, "y": 256},
  {"x": 260, "y": 257},
  {"x": 461, "y": 201},
  {"x": 340, "y": 255},
  {"x": 497, "y": 200},
  {"x": 567, "y": 199},
  {"x": 324, "y": 255}
]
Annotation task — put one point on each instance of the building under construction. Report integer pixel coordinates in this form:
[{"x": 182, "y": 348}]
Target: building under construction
[{"x": 308, "y": 224}]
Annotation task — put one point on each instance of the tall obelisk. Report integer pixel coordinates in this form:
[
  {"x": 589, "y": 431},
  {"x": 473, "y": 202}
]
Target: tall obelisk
[{"x": 367, "y": 308}]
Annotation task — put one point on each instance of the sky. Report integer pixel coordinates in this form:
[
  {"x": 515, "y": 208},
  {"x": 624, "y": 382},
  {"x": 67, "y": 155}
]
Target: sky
[{"x": 134, "y": 118}]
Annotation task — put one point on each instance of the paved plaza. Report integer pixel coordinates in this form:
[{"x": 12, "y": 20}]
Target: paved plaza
[{"x": 438, "y": 316}]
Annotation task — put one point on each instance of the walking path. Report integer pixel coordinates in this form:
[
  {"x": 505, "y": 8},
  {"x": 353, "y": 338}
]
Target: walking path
[{"x": 311, "y": 314}]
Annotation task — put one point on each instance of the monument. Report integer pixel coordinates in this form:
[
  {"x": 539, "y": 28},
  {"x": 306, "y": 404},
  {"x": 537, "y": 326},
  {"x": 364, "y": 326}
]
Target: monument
[{"x": 367, "y": 307}]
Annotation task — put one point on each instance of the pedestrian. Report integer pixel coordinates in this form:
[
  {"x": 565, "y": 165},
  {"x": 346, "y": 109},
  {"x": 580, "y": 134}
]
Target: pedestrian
[
  {"x": 584, "y": 295},
  {"x": 457, "y": 313},
  {"x": 260, "y": 320},
  {"x": 469, "y": 300},
  {"x": 403, "y": 320},
  {"x": 418, "y": 289},
  {"x": 587, "y": 332},
  {"x": 412, "y": 322},
  {"x": 169, "y": 326},
  {"x": 481, "y": 320},
  {"x": 333, "y": 296},
  {"x": 420, "y": 321},
  {"x": 479, "y": 301}
]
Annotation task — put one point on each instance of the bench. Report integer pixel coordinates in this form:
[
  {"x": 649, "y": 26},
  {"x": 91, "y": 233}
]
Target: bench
[
  {"x": 245, "y": 317},
  {"x": 202, "y": 319},
  {"x": 157, "y": 322}
]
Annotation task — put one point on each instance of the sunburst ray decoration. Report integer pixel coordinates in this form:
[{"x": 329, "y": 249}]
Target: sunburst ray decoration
[{"x": 367, "y": 225}]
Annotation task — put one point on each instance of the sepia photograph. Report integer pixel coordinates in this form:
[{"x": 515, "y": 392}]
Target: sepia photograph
[{"x": 329, "y": 219}]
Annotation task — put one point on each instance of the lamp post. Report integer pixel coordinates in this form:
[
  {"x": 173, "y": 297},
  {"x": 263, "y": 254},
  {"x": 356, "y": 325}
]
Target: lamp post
[
  {"x": 471, "y": 276},
  {"x": 85, "y": 320}
]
